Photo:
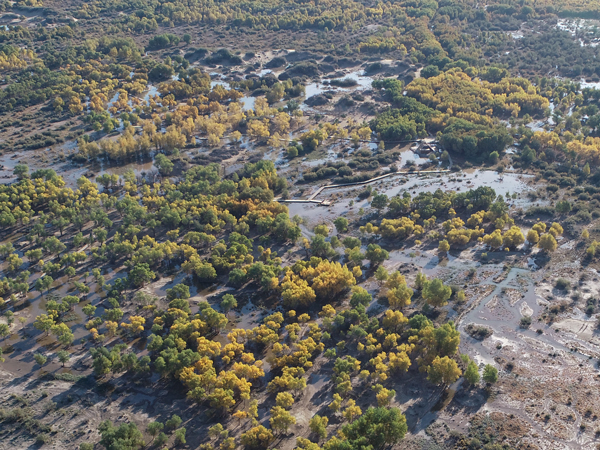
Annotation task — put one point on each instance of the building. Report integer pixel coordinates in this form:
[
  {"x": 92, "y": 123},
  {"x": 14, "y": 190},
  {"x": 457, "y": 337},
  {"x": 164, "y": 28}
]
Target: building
[{"x": 428, "y": 146}]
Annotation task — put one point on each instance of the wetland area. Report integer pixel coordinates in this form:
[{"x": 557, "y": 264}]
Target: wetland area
[{"x": 293, "y": 225}]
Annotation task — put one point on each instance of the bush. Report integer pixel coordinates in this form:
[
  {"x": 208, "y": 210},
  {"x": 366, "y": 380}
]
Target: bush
[
  {"x": 67, "y": 377},
  {"x": 276, "y": 62},
  {"x": 42, "y": 439},
  {"x": 540, "y": 211},
  {"x": 223, "y": 56},
  {"x": 163, "y": 41},
  {"x": 478, "y": 332},
  {"x": 562, "y": 284},
  {"x": 345, "y": 82},
  {"x": 430, "y": 71},
  {"x": 365, "y": 193},
  {"x": 525, "y": 322},
  {"x": 161, "y": 72},
  {"x": 583, "y": 217}
]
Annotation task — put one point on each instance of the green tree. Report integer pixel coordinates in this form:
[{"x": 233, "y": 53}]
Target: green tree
[
  {"x": 420, "y": 280},
  {"x": 43, "y": 284},
  {"x": 376, "y": 428},
  {"x": 563, "y": 206},
  {"x": 355, "y": 256},
  {"x": 14, "y": 262},
  {"x": 318, "y": 425},
  {"x": 21, "y": 171},
  {"x": 4, "y": 330},
  {"x": 237, "y": 277},
  {"x": 360, "y": 296},
  {"x": 351, "y": 242},
  {"x": 173, "y": 422},
  {"x": 164, "y": 164},
  {"x": 490, "y": 374},
  {"x": 100, "y": 234},
  {"x": 40, "y": 359},
  {"x": 436, "y": 293},
  {"x": 341, "y": 224},
  {"x": 53, "y": 245},
  {"x": 113, "y": 314},
  {"x": 161, "y": 439},
  {"x": 124, "y": 437},
  {"x": 179, "y": 291},
  {"x": 63, "y": 333},
  {"x": 108, "y": 126},
  {"x": 321, "y": 248},
  {"x": 228, "y": 302},
  {"x": 276, "y": 93},
  {"x": 154, "y": 428},
  {"x": 376, "y": 255},
  {"x": 586, "y": 170},
  {"x": 89, "y": 310},
  {"x": 60, "y": 223},
  {"x": 218, "y": 432},
  {"x": 140, "y": 275},
  {"x": 70, "y": 272},
  {"x": 202, "y": 269},
  {"x": 70, "y": 301},
  {"x": 379, "y": 201},
  {"x": 44, "y": 323},
  {"x": 63, "y": 356},
  {"x": 180, "y": 435},
  {"x": 322, "y": 230},
  {"x": 472, "y": 373},
  {"x": 381, "y": 274},
  {"x": 34, "y": 255}
]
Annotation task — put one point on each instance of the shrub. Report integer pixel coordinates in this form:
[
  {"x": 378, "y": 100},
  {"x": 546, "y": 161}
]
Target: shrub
[
  {"x": 525, "y": 322},
  {"x": 540, "y": 211},
  {"x": 562, "y": 284},
  {"x": 42, "y": 438},
  {"x": 478, "y": 332}
]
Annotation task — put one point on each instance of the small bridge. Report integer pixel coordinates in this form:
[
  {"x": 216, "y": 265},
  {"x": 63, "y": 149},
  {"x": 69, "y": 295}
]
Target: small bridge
[{"x": 312, "y": 198}]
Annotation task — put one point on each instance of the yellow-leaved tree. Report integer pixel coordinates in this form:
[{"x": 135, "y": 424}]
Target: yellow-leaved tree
[
  {"x": 296, "y": 291},
  {"x": 443, "y": 371},
  {"x": 328, "y": 279}
]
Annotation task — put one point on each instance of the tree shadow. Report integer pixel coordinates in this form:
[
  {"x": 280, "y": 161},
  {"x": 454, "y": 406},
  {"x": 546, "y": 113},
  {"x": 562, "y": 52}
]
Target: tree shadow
[{"x": 467, "y": 400}]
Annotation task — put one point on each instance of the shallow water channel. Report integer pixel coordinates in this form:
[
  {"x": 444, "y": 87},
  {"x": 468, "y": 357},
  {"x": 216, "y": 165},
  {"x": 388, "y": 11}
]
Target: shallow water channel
[{"x": 503, "y": 315}]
